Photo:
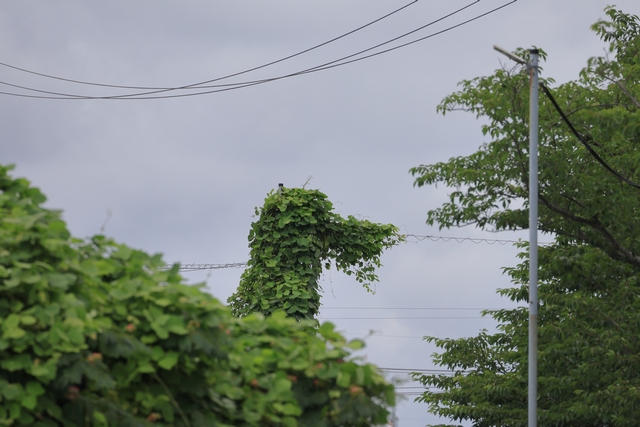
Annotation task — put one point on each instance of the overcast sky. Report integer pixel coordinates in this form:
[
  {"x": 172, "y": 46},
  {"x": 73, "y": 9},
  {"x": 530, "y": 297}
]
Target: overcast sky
[{"x": 181, "y": 176}]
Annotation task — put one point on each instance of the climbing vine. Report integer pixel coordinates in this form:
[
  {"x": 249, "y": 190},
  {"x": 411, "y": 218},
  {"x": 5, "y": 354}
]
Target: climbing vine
[{"x": 297, "y": 234}]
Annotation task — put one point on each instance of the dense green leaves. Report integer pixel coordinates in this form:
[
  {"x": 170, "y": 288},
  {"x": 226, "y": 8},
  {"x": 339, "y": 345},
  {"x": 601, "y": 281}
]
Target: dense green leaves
[
  {"x": 589, "y": 352},
  {"x": 578, "y": 198},
  {"x": 296, "y": 235},
  {"x": 93, "y": 333},
  {"x": 589, "y": 368}
]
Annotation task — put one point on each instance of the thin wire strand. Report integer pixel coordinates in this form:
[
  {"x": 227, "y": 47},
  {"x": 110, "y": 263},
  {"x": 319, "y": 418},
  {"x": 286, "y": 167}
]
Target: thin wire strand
[
  {"x": 502, "y": 242},
  {"x": 326, "y": 65},
  {"x": 418, "y": 238},
  {"x": 227, "y": 86},
  {"x": 420, "y": 370},
  {"x": 411, "y": 308},
  {"x": 240, "y": 86},
  {"x": 367, "y": 336},
  {"x": 194, "y": 267},
  {"x": 218, "y": 78},
  {"x": 408, "y": 318}
]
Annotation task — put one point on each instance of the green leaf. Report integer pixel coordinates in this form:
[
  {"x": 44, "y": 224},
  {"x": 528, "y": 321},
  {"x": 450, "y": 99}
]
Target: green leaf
[
  {"x": 176, "y": 325},
  {"x": 146, "y": 368},
  {"x": 13, "y": 333},
  {"x": 44, "y": 371},
  {"x": 15, "y": 363},
  {"x": 11, "y": 283},
  {"x": 169, "y": 360},
  {"x": 61, "y": 281},
  {"x": 29, "y": 401},
  {"x": 344, "y": 379},
  {"x": 28, "y": 320},
  {"x": 13, "y": 391},
  {"x": 356, "y": 344},
  {"x": 156, "y": 353},
  {"x": 123, "y": 253},
  {"x": 100, "y": 419},
  {"x": 14, "y": 410},
  {"x": 35, "y": 388},
  {"x": 281, "y": 386}
]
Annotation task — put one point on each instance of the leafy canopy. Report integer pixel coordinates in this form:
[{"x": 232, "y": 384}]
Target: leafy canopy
[
  {"x": 94, "y": 333},
  {"x": 579, "y": 199},
  {"x": 588, "y": 359},
  {"x": 296, "y": 235},
  {"x": 589, "y": 372}
]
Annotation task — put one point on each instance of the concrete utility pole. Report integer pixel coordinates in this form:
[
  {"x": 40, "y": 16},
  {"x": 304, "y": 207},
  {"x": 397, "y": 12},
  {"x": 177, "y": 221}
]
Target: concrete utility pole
[{"x": 532, "y": 66}]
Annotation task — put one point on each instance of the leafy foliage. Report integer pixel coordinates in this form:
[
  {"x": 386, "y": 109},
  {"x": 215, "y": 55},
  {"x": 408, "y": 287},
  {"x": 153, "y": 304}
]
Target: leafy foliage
[
  {"x": 589, "y": 352},
  {"x": 296, "y": 235},
  {"x": 578, "y": 198},
  {"x": 94, "y": 333},
  {"x": 589, "y": 289}
]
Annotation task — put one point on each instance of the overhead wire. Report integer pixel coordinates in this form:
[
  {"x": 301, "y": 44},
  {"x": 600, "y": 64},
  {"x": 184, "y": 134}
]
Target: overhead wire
[
  {"x": 420, "y": 370},
  {"x": 329, "y": 65},
  {"x": 229, "y": 86},
  {"x": 218, "y": 78},
  {"x": 408, "y": 318},
  {"x": 418, "y": 238},
  {"x": 588, "y": 146},
  {"x": 475, "y": 240},
  {"x": 409, "y": 308},
  {"x": 326, "y": 65},
  {"x": 367, "y": 336},
  {"x": 195, "y": 267}
]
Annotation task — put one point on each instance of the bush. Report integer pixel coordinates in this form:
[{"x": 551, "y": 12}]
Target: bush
[{"x": 94, "y": 333}]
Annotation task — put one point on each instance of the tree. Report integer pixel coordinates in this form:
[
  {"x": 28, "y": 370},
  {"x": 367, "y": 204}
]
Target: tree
[
  {"x": 296, "y": 235},
  {"x": 94, "y": 333},
  {"x": 579, "y": 200},
  {"x": 588, "y": 360},
  {"x": 589, "y": 318}
]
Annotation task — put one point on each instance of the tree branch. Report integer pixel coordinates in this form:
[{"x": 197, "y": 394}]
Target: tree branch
[
  {"x": 624, "y": 89},
  {"x": 619, "y": 252}
]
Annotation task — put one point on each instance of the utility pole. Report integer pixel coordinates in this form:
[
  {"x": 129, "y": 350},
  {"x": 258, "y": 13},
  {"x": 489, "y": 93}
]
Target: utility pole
[{"x": 532, "y": 66}]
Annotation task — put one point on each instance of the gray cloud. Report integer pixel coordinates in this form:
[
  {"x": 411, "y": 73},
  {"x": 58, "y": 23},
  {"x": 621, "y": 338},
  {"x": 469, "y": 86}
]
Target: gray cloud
[{"x": 182, "y": 176}]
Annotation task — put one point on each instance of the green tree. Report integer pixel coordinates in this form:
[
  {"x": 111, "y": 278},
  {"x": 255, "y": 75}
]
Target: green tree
[
  {"x": 579, "y": 200},
  {"x": 589, "y": 351},
  {"x": 296, "y": 235},
  {"x": 94, "y": 333},
  {"x": 589, "y": 322}
]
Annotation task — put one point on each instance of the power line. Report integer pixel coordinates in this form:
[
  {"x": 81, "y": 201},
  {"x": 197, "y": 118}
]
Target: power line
[
  {"x": 421, "y": 370},
  {"x": 408, "y": 318},
  {"x": 411, "y": 308},
  {"x": 475, "y": 240},
  {"x": 367, "y": 336},
  {"x": 409, "y": 387},
  {"x": 338, "y": 63},
  {"x": 418, "y": 238},
  {"x": 194, "y": 267},
  {"x": 81, "y": 82},
  {"x": 584, "y": 142},
  {"x": 233, "y": 86},
  {"x": 227, "y": 87}
]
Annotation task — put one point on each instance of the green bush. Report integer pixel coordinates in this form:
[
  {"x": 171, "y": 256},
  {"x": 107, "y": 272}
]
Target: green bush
[
  {"x": 94, "y": 333},
  {"x": 296, "y": 235}
]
